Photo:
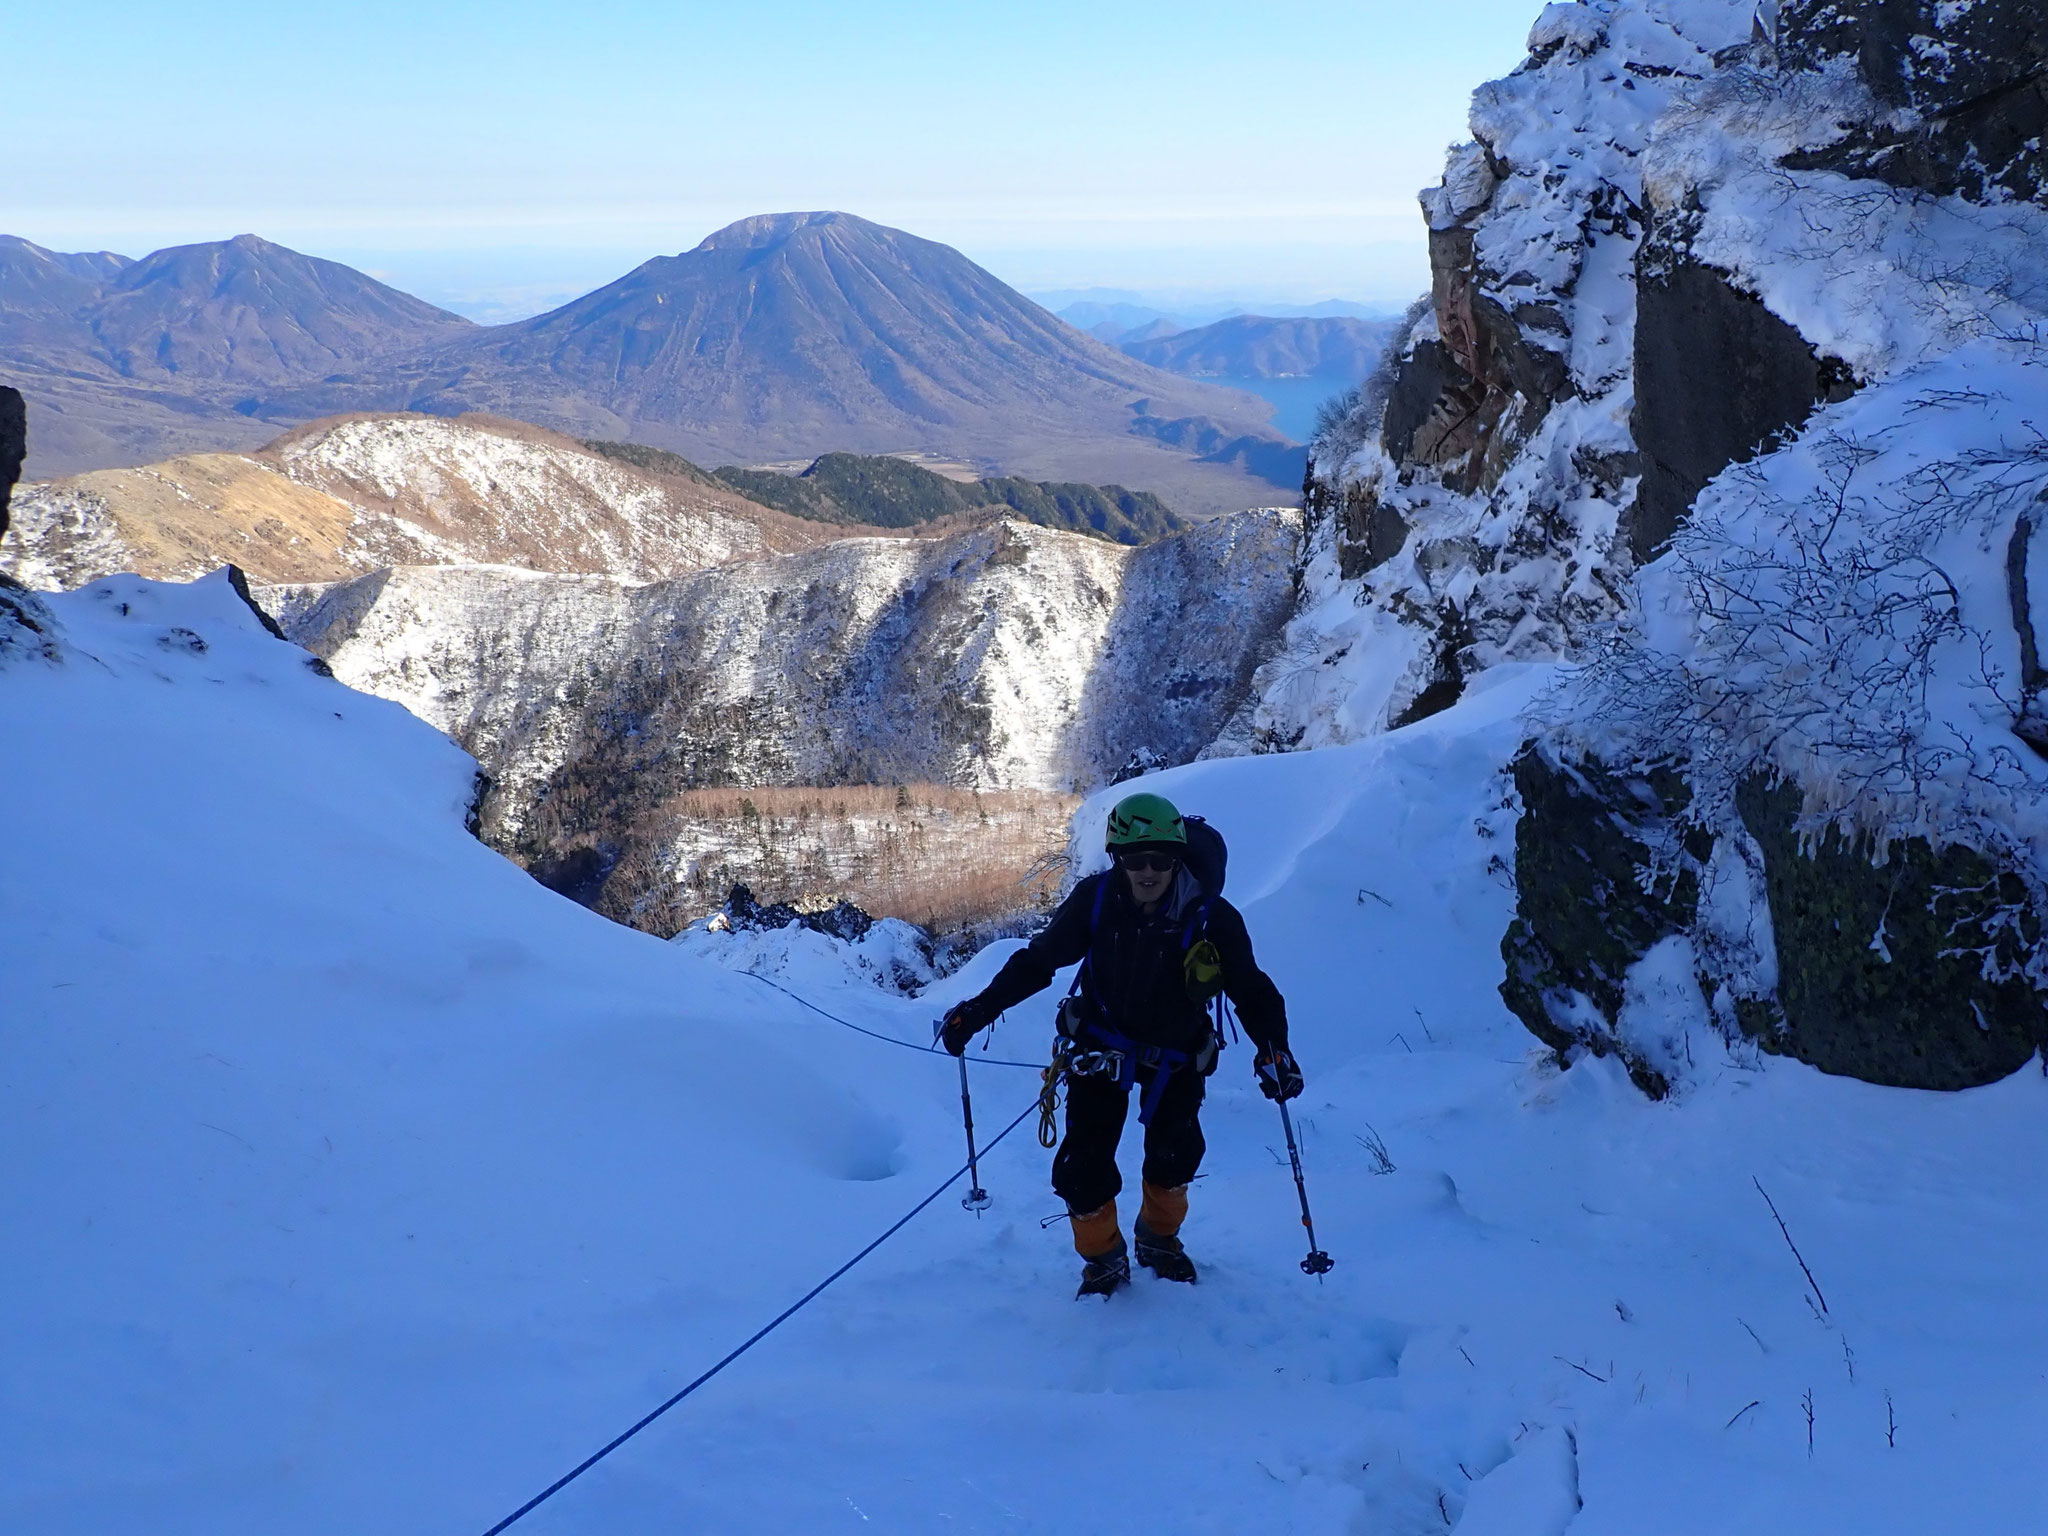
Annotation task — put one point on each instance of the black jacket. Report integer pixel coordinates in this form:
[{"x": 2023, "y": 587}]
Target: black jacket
[{"x": 1135, "y": 975}]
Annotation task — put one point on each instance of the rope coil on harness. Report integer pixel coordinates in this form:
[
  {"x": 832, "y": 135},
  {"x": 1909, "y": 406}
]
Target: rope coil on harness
[
  {"x": 782, "y": 1317},
  {"x": 1056, "y": 1072}
]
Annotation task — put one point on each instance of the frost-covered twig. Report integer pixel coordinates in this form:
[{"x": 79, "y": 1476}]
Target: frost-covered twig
[{"x": 1789, "y": 1243}]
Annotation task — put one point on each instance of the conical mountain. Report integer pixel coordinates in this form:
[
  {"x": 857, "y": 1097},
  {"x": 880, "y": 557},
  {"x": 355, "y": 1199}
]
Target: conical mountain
[
  {"x": 790, "y": 335},
  {"x": 821, "y": 315}
]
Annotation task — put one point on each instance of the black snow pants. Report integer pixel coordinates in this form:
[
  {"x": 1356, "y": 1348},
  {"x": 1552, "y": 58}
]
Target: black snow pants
[{"x": 1085, "y": 1175}]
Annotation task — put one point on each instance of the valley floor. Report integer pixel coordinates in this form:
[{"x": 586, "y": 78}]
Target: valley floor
[{"x": 357, "y": 1183}]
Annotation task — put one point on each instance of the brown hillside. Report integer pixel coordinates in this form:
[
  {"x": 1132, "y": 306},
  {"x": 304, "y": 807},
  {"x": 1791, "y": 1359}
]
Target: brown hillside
[{"x": 338, "y": 498}]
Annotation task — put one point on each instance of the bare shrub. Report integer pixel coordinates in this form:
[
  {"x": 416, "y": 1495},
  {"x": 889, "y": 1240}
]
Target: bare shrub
[
  {"x": 1827, "y": 641},
  {"x": 941, "y": 857}
]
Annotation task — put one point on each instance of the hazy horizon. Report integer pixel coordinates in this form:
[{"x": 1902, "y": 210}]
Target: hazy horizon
[
  {"x": 502, "y": 160},
  {"x": 499, "y": 287}
]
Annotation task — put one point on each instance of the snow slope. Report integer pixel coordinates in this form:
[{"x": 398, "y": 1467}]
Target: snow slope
[{"x": 369, "y": 1187}]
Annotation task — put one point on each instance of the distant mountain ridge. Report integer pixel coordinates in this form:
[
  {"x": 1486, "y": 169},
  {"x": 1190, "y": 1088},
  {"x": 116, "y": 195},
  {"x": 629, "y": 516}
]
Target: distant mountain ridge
[
  {"x": 781, "y": 336},
  {"x": 340, "y": 498},
  {"x": 1268, "y": 347},
  {"x": 1116, "y": 317},
  {"x": 124, "y": 360},
  {"x": 852, "y": 488}
]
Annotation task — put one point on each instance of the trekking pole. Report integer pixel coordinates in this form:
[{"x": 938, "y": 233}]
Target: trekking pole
[
  {"x": 1318, "y": 1263},
  {"x": 976, "y": 1199}
]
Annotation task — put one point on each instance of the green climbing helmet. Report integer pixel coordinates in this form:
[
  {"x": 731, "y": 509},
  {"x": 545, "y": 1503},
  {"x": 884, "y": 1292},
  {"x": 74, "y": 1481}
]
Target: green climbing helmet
[{"x": 1145, "y": 821}]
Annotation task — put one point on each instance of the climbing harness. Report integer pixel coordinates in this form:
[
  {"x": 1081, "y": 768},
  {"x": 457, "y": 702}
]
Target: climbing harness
[
  {"x": 784, "y": 1316},
  {"x": 1318, "y": 1263},
  {"x": 1087, "y": 1047}
]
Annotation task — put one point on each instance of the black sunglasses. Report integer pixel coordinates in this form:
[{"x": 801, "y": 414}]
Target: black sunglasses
[{"x": 1158, "y": 863}]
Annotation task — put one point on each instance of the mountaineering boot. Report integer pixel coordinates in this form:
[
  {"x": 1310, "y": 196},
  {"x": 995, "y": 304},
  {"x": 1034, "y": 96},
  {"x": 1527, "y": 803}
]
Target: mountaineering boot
[
  {"x": 1106, "y": 1272},
  {"x": 1158, "y": 1233},
  {"x": 1100, "y": 1242},
  {"x": 1164, "y": 1256}
]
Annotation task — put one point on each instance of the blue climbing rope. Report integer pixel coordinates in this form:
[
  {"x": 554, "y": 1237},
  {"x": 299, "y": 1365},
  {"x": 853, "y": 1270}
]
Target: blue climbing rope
[
  {"x": 784, "y": 1316},
  {"x": 908, "y": 1045}
]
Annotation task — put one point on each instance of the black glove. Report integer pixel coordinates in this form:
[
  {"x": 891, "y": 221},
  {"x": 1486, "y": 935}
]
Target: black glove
[
  {"x": 1279, "y": 1074},
  {"x": 963, "y": 1021}
]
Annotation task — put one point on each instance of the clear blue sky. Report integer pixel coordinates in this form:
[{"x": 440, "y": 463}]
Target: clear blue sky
[{"x": 517, "y": 153}]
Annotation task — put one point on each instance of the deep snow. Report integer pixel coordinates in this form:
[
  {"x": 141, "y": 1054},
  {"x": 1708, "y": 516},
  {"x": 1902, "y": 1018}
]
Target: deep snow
[{"x": 357, "y": 1183}]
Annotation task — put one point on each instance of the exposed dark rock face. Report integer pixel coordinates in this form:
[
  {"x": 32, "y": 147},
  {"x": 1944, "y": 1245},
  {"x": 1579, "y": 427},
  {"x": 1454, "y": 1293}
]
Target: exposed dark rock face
[
  {"x": 13, "y": 445},
  {"x": 1881, "y": 969},
  {"x": 238, "y": 579},
  {"x": 1881, "y": 966},
  {"x": 1422, "y": 378},
  {"x": 1967, "y": 86},
  {"x": 1369, "y": 532},
  {"x": 1463, "y": 404},
  {"x": 842, "y": 920},
  {"x": 1718, "y": 377},
  {"x": 1446, "y": 681},
  {"x": 2021, "y": 551},
  {"x": 1597, "y": 885},
  {"x": 25, "y": 625}
]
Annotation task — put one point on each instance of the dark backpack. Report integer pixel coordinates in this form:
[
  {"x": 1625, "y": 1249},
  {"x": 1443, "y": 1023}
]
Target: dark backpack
[{"x": 1208, "y": 856}]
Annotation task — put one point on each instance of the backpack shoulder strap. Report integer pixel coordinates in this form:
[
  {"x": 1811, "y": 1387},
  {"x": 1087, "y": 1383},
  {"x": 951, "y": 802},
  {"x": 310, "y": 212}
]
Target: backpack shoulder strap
[{"x": 1081, "y": 971}]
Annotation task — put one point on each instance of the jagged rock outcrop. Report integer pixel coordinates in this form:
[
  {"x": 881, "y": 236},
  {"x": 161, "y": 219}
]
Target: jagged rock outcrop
[
  {"x": 1467, "y": 512},
  {"x": 1602, "y": 876},
  {"x": 13, "y": 447},
  {"x": 2026, "y": 587},
  {"x": 1882, "y": 964},
  {"x": 1720, "y": 393},
  {"x": 1005, "y": 657},
  {"x": 25, "y": 624},
  {"x": 1641, "y": 275},
  {"x": 1963, "y": 88}
]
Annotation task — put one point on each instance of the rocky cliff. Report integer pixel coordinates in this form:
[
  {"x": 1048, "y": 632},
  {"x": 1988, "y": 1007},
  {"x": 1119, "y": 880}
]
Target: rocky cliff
[
  {"x": 13, "y": 447},
  {"x": 1008, "y": 657},
  {"x": 1722, "y": 396}
]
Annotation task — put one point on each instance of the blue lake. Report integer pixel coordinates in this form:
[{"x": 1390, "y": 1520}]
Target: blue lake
[{"x": 1294, "y": 401}]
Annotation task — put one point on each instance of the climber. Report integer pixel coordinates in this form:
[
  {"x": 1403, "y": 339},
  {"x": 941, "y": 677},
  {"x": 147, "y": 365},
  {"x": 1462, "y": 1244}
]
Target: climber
[{"x": 1155, "y": 942}]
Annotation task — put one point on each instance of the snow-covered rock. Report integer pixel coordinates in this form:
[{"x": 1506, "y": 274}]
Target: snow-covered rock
[
  {"x": 342, "y": 497},
  {"x": 1009, "y": 656},
  {"x": 1729, "y": 383},
  {"x": 477, "y": 491},
  {"x": 1648, "y": 263}
]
